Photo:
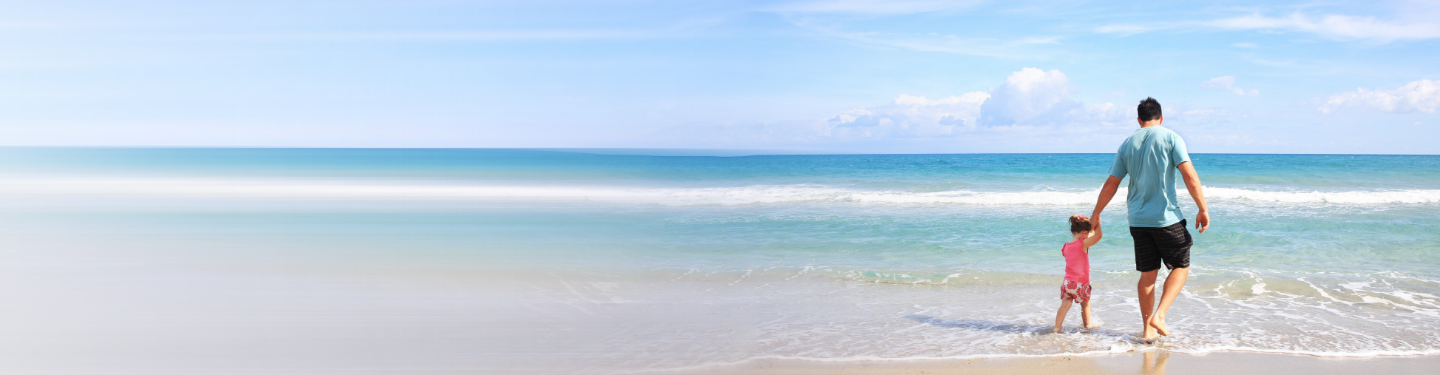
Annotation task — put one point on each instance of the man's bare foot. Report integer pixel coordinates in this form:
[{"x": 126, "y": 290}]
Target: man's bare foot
[{"x": 1158, "y": 322}]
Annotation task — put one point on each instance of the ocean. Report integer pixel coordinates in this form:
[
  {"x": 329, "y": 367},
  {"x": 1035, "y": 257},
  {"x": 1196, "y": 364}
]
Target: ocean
[{"x": 151, "y": 260}]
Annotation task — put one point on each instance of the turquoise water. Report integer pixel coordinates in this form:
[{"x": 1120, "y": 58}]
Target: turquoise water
[{"x": 509, "y": 259}]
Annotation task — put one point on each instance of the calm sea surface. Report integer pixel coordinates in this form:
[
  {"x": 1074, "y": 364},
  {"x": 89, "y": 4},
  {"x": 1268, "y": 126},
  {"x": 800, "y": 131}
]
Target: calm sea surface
[{"x": 172, "y": 260}]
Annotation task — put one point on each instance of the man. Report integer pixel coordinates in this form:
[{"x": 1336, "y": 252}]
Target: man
[{"x": 1151, "y": 156}]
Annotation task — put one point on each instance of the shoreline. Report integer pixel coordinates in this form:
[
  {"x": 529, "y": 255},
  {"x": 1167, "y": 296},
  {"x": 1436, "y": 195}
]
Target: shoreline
[{"x": 1146, "y": 362}]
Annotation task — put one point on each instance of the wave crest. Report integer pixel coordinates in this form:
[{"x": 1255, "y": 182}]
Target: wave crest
[{"x": 744, "y": 195}]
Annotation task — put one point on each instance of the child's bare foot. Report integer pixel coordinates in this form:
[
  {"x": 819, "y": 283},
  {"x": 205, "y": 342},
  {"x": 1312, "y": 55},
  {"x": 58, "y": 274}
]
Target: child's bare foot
[{"x": 1158, "y": 322}]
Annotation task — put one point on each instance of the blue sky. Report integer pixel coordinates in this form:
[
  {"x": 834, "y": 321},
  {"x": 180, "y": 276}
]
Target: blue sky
[{"x": 802, "y": 76}]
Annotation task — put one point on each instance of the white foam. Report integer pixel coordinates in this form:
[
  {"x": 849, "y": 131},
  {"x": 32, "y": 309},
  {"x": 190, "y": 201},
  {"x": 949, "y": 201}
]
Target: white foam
[
  {"x": 742, "y": 195},
  {"x": 1340, "y": 197}
]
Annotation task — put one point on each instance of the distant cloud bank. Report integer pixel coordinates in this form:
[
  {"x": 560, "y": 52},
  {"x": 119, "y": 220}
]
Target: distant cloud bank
[
  {"x": 1422, "y": 95},
  {"x": 912, "y": 116},
  {"x": 1030, "y": 97}
]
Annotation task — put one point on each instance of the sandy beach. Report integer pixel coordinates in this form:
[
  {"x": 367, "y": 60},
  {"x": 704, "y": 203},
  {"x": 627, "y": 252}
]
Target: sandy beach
[
  {"x": 1152, "y": 362},
  {"x": 826, "y": 267}
]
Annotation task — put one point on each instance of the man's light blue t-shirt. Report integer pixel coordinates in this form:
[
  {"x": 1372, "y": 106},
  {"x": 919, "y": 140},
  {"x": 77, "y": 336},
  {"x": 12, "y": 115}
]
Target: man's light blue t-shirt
[{"x": 1150, "y": 156}]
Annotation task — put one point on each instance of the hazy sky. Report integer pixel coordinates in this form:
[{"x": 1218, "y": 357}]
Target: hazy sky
[{"x": 834, "y": 76}]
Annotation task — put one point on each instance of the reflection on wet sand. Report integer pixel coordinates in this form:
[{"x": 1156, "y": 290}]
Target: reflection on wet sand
[{"x": 1154, "y": 362}]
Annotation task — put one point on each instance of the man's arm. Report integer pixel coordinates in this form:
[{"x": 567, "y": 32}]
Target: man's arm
[
  {"x": 1192, "y": 183},
  {"x": 1094, "y": 237},
  {"x": 1107, "y": 193}
]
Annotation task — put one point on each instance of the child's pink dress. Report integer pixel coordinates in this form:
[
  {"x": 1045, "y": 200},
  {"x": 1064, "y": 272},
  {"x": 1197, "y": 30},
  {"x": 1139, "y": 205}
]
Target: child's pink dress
[{"x": 1077, "y": 272}]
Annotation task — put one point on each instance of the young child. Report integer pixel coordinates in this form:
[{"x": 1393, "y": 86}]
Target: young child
[{"x": 1077, "y": 270}]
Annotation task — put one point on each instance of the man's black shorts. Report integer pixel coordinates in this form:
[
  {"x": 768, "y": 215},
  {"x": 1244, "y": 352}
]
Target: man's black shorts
[{"x": 1169, "y": 244}]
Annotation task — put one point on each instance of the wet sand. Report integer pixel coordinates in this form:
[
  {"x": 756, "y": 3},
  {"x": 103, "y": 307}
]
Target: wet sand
[{"x": 1150, "y": 362}]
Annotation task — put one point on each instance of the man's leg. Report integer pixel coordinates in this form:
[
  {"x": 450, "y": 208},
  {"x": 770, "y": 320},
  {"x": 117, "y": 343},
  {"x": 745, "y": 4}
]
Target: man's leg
[
  {"x": 1173, "y": 283},
  {"x": 1173, "y": 243},
  {"x": 1146, "y": 290}
]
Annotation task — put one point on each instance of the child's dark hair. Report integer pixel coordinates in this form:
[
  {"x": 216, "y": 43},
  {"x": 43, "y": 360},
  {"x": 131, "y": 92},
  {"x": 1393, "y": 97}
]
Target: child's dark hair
[{"x": 1079, "y": 224}]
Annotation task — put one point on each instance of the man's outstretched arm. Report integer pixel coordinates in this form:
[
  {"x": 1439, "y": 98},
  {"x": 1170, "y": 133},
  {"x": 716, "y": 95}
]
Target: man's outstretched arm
[
  {"x": 1192, "y": 183},
  {"x": 1107, "y": 192}
]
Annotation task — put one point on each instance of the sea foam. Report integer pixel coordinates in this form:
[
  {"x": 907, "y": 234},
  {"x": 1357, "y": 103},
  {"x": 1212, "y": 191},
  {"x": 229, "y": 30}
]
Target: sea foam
[{"x": 741, "y": 195}]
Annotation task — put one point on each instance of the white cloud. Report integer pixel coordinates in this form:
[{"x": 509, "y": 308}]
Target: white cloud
[
  {"x": 1227, "y": 83},
  {"x": 1035, "y": 97},
  {"x": 1030, "y": 97},
  {"x": 1422, "y": 95},
  {"x": 1222, "y": 82},
  {"x": 912, "y": 116},
  {"x": 457, "y": 36},
  {"x": 1205, "y": 112},
  {"x": 1027, "y": 47},
  {"x": 1335, "y": 26},
  {"x": 1033, "y": 111},
  {"x": 1125, "y": 29},
  {"x": 870, "y": 6},
  {"x": 1020, "y": 48},
  {"x": 1419, "y": 26}
]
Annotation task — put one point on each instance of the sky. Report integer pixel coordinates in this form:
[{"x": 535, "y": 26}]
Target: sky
[{"x": 844, "y": 76}]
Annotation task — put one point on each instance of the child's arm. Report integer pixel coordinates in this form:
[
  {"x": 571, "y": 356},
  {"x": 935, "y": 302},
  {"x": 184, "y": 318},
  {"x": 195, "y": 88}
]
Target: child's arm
[{"x": 1093, "y": 239}]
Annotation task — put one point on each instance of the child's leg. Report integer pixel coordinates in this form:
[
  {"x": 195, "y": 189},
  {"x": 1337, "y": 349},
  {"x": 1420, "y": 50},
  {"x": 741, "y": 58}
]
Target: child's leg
[
  {"x": 1060, "y": 315},
  {"x": 1085, "y": 314}
]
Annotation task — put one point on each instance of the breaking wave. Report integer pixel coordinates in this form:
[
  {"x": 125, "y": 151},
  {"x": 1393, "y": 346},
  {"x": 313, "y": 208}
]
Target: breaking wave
[{"x": 744, "y": 195}]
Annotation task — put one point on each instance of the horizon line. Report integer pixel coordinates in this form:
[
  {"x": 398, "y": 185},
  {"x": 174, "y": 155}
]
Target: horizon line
[{"x": 647, "y": 151}]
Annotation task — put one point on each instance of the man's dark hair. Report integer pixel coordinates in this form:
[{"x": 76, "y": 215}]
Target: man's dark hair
[{"x": 1149, "y": 109}]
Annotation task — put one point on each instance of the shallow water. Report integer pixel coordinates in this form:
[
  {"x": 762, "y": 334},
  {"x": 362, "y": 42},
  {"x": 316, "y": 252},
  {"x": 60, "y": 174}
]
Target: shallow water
[{"x": 267, "y": 259}]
